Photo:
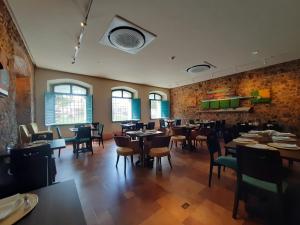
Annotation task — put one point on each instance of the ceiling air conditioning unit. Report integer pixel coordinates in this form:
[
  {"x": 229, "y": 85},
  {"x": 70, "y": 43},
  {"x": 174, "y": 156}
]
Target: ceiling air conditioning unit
[{"x": 126, "y": 36}]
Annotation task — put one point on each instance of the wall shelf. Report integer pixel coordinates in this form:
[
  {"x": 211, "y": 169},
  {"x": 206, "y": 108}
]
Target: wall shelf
[{"x": 239, "y": 109}]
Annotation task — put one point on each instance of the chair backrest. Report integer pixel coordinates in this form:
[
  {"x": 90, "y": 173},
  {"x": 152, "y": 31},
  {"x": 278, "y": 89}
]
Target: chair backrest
[
  {"x": 213, "y": 144},
  {"x": 122, "y": 141},
  {"x": 160, "y": 141},
  {"x": 30, "y": 167},
  {"x": 83, "y": 133},
  {"x": 151, "y": 125},
  {"x": 191, "y": 121},
  {"x": 162, "y": 123},
  {"x": 178, "y": 131},
  {"x": 177, "y": 122},
  {"x": 95, "y": 125},
  {"x": 79, "y": 125},
  {"x": 33, "y": 128},
  {"x": 259, "y": 163},
  {"x": 139, "y": 126},
  {"x": 227, "y": 136},
  {"x": 25, "y": 136},
  {"x": 58, "y": 132},
  {"x": 100, "y": 129}
]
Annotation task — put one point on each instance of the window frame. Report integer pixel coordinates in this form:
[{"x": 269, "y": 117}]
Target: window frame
[
  {"x": 150, "y": 100},
  {"x": 52, "y": 87},
  {"x": 122, "y": 90}
]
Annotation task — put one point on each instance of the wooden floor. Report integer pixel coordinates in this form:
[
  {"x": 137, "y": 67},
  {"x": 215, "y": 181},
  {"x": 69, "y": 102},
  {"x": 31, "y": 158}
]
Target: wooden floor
[{"x": 148, "y": 197}]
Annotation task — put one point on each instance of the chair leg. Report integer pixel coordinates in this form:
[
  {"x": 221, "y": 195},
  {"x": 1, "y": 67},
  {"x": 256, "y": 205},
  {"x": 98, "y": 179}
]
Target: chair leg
[
  {"x": 125, "y": 164},
  {"x": 169, "y": 159},
  {"x": 210, "y": 174},
  {"x": 171, "y": 144},
  {"x": 77, "y": 151},
  {"x": 236, "y": 201},
  {"x": 102, "y": 142},
  {"x": 132, "y": 160},
  {"x": 117, "y": 160},
  {"x": 219, "y": 172},
  {"x": 58, "y": 153}
]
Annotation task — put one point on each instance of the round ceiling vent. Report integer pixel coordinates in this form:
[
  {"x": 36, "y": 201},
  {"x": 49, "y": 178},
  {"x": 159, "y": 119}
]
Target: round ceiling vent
[
  {"x": 126, "y": 38},
  {"x": 198, "y": 68}
]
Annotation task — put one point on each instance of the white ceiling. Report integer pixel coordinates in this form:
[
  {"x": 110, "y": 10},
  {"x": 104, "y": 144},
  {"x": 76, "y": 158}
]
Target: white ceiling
[{"x": 224, "y": 33}]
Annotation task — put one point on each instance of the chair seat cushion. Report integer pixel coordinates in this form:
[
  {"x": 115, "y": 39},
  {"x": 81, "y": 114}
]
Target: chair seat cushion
[
  {"x": 201, "y": 138},
  {"x": 70, "y": 139},
  {"x": 124, "y": 151},
  {"x": 178, "y": 138},
  {"x": 265, "y": 185},
  {"x": 227, "y": 161},
  {"x": 80, "y": 140},
  {"x": 159, "y": 152}
]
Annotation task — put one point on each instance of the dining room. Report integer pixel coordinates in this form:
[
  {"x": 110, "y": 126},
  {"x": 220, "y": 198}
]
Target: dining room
[{"x": 149, "y": 112}]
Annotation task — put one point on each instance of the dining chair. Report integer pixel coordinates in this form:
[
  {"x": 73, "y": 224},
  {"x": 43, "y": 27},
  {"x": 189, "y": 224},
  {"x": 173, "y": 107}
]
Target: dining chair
[
  {"x": 202, "y": 136},
  {"x": 84, "y": 139},
  {"x": 215, "y": 148},
  {"x": 150, "y": 125},
  {"x": 228, "y": 137},
  {"x": 68, "y": 140},
  {"x": 25, "y": 136},
  {"x": 99, "y": 134},
  {"x": 32, "y": 167},
  {"x": 191, "y": 121},
  {"x": 126, "y": 147},
  {"x": 139, "y": 126},
  {"x": 261, "y": 170},
  {"x": 178, "y": 135},
  {"x": 177, "y": 122},
  {"x": 162, "y": 124},
  {"x": 159, "y": 147}
]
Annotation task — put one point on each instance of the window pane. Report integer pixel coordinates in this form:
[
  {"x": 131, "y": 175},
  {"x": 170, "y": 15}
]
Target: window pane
[
  {"x": 117, "y": 93},
  {"x": 151, "y": 96},
  {"x": 121, "y": 109},
  {"x": 63, "y": 88},
  {"x": 78, "y": 90},
  {"x": 127, "y": 94},
  {"x": 70, "y": 109},
  {"x": 155, "y": 109},
  {"x": 158, "y": 97}
]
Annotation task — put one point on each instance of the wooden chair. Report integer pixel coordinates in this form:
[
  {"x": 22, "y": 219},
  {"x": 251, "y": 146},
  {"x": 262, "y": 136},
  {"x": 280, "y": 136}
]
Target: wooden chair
[
  {"x": 139, "y": 126},
  {"x": 162, "y": 124},
  {"x": 126, "y": 147},
  {"x": 32, "y": 167},
  {"x": 262, "y": 170},
  {"x": 83, "y": 138},
  {"x": 214, "y": 148},
  {"x": 178, "y": 135},
  {"x": 99, "y": 134},
  {"x": 37, "y": 134},
  {"x": 202, "y": 137},
  {"x": 177, "y": 122},
  {"x": 160, "y": 148},
  {"x": 151, "y": 125},
  {"x": 68, "y": 140}
]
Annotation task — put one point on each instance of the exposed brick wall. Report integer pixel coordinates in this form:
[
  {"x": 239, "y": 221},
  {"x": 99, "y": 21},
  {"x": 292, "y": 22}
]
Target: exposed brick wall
[
  {"x": 283, "y": 80},
  {"x": 10, "y": 44}
]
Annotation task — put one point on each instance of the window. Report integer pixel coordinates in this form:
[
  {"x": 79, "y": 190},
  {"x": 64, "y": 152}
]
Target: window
[
  {"x": 68, "y": 104},
  {"x": 155, "y": 106},
  {"x": 121, "y": 105}
]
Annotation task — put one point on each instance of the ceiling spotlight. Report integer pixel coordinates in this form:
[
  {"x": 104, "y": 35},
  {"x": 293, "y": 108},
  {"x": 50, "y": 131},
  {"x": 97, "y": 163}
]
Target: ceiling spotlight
[
  {"x": 76, "y": 47},
  {"x": 255, "y": 53},
  {"x": 82, "y": 24},
  {"x": 172, "y": 57}
]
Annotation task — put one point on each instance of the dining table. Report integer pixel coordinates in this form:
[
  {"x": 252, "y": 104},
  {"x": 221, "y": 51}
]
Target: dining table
[
  {"x": 57, "y": 204},
  {"x": 188, "y": 128},
  {"x": 288, "y": 154},
  {"x": 142, "y": 135}
]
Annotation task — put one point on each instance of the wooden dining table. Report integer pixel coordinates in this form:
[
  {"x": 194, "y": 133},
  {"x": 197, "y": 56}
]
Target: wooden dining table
[
  {"x": 188, "y": 134},
  {"x": 291, "y": 155}
]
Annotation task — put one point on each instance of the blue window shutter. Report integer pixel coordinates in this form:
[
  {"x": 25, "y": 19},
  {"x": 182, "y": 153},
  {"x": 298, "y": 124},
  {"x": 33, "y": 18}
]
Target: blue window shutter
[
  {"x": 49, "y": 108},
  {"x": 89, "y": 108},
  {"x": 136, "y": 109},
  {"x": 165, "y": 109}
]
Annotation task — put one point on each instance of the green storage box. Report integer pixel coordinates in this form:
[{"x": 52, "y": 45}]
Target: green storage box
[
  {"x": 214, "y": 104},
  {"x": 225, "y": 103},
  {"x": 205, "y": 104},
  {"x": 234, "y": 103}
]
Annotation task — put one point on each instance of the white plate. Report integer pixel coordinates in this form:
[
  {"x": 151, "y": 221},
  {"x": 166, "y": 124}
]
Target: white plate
[
  {"x": 284, "y": 146},
  {"x": 284, "y": 134},
  {"x": 249, "y": 135},
  {"x": 244, "y": 141},
  {"x": 10, "y": 204}
]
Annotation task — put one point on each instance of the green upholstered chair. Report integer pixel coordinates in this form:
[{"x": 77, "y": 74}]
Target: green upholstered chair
[
  {"x": 259, "y": 169},
  {"x": 214, "y": 148}
]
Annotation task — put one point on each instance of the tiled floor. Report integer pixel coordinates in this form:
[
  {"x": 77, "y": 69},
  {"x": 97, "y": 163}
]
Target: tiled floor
[{"x": 148, "y": 197}]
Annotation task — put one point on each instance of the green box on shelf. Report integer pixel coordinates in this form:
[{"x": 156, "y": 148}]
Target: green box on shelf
[
  {"x": 205, "y": 104},
  {"x": 234, "y": 103},
  {"x": 214, "y": 104},
  {"x": 224, "y": 103}
]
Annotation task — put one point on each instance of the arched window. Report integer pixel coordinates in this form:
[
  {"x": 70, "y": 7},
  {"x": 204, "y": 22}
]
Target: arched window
[
  {"x": 155, "y": 105},
  {"x": 121, "y": 105},
  {"x": 68, "y": 103}
]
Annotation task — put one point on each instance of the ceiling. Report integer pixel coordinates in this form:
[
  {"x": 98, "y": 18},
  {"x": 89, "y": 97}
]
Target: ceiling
[{"x": 224, "y": 33}]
